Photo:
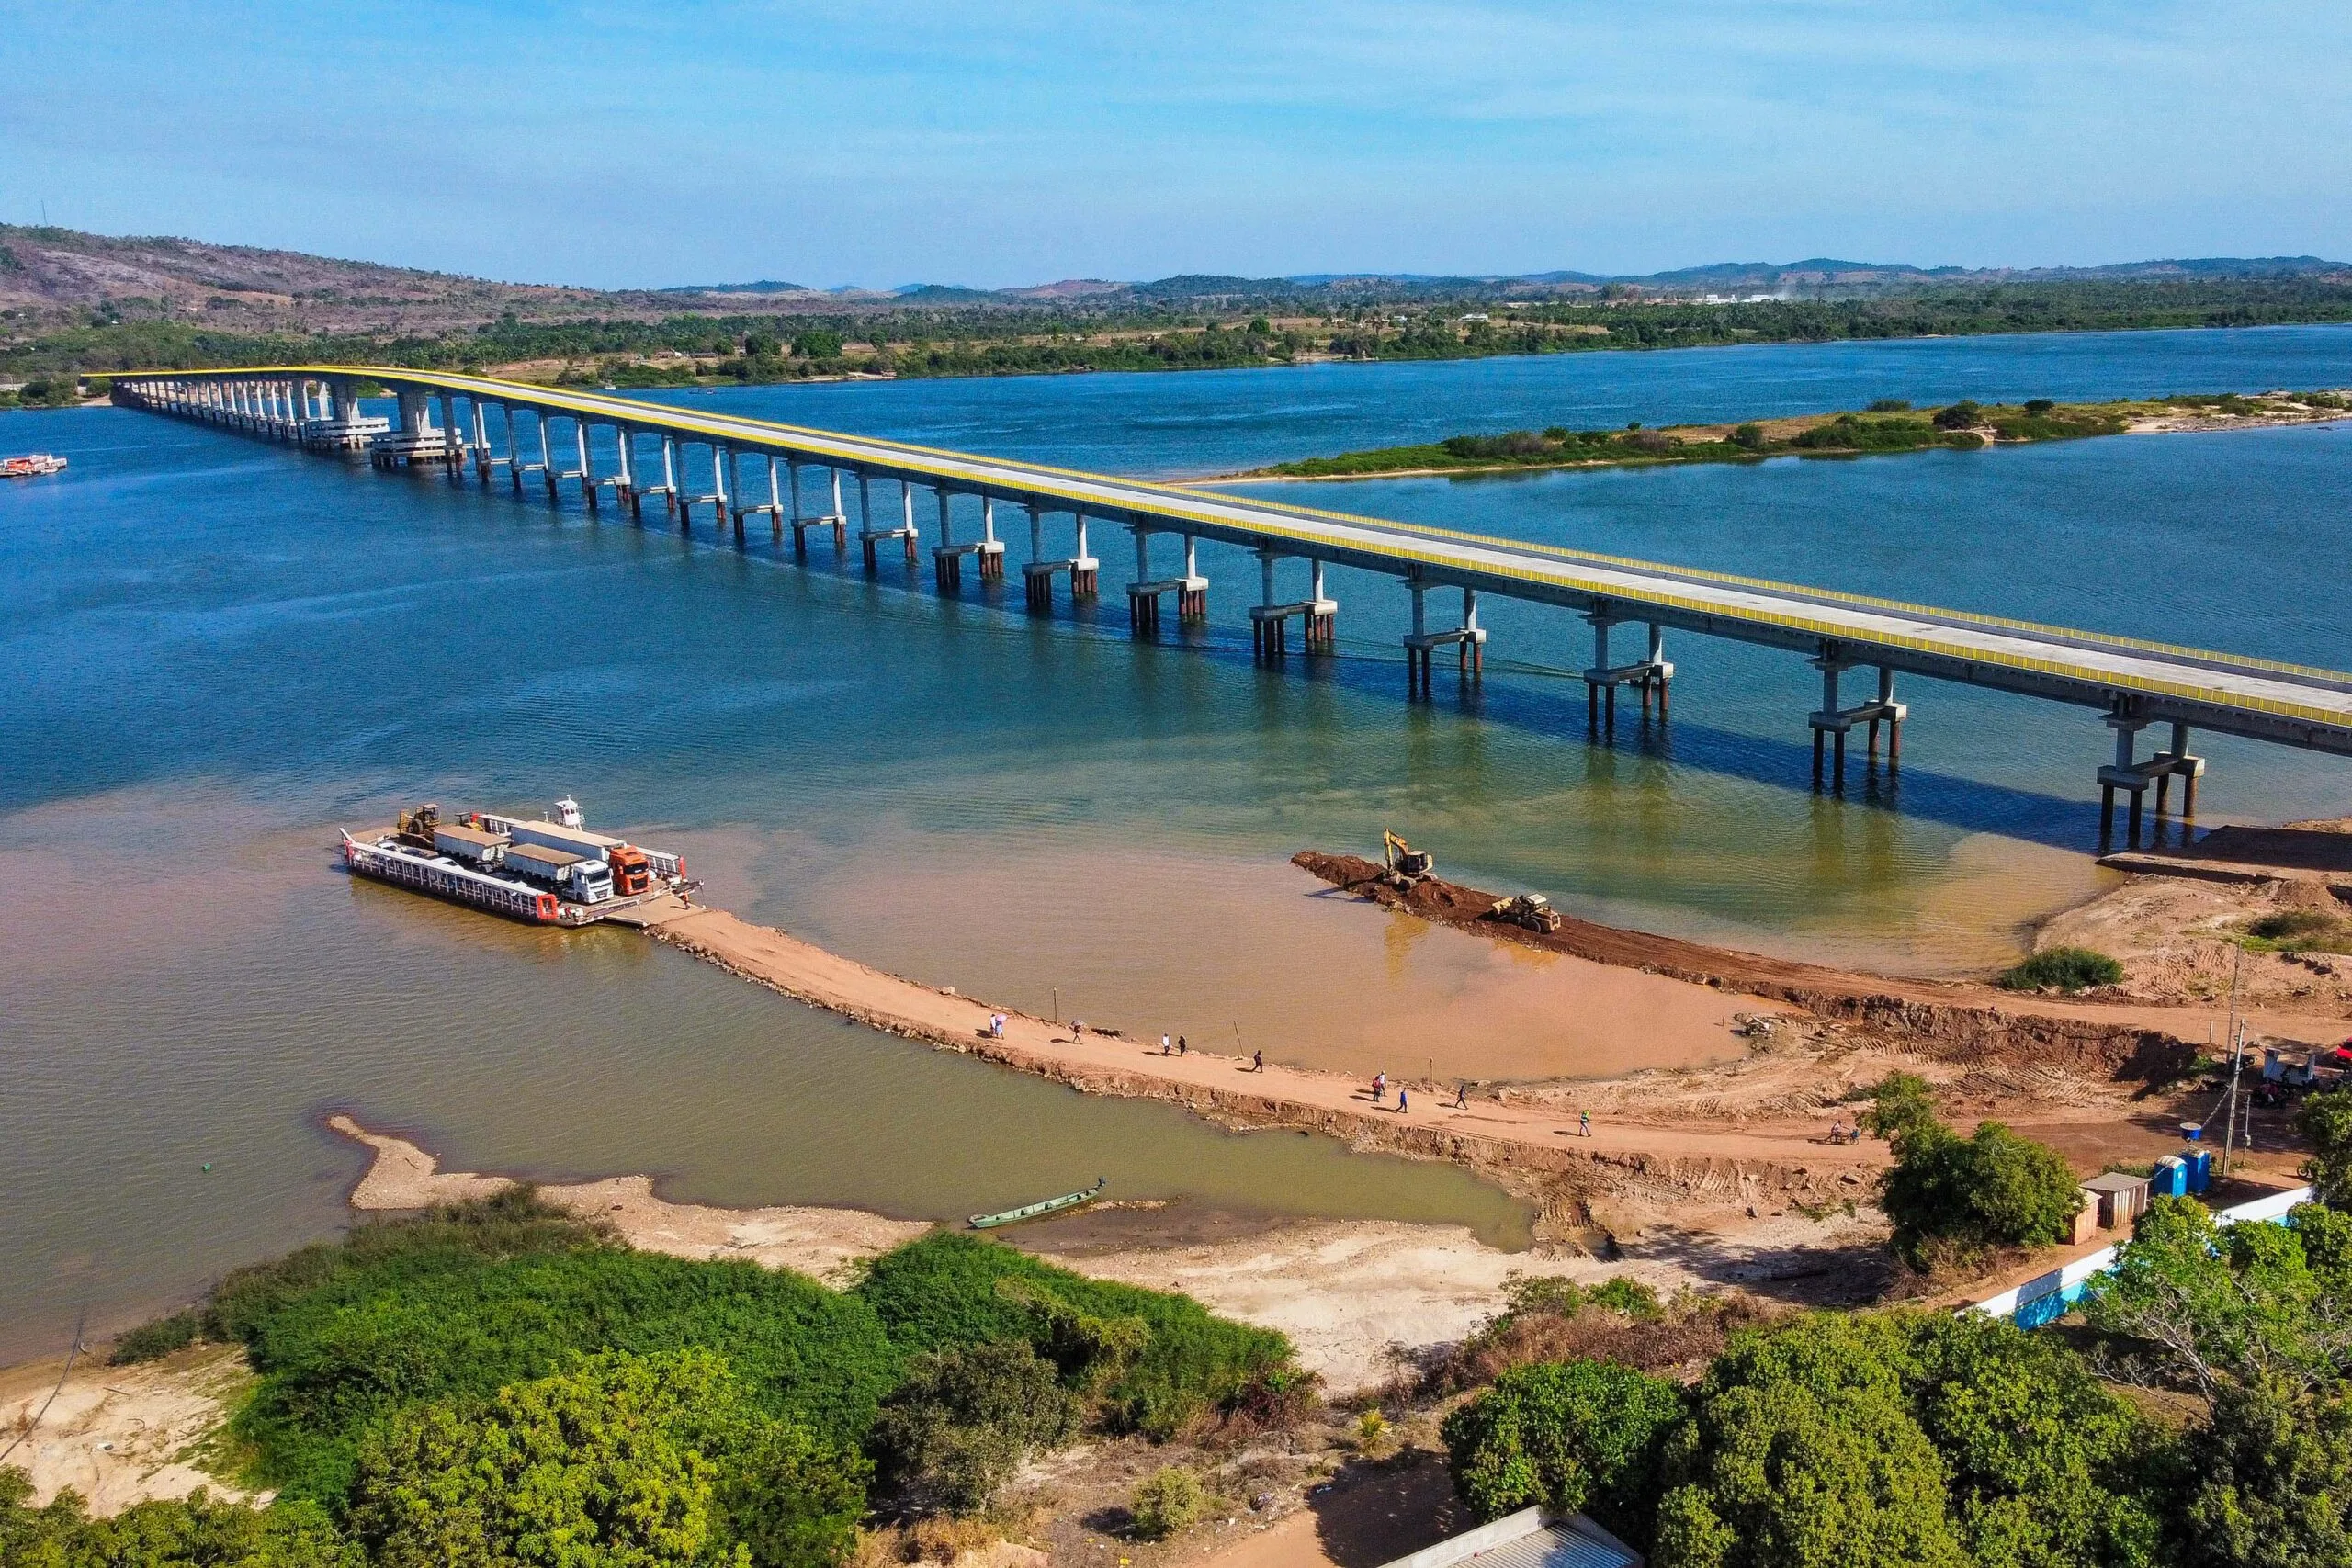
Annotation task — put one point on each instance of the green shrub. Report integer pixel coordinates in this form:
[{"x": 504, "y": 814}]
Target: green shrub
[
  {"x": 1631, "y": 1297},
  {"x": 643, "y": 1461},
  {"x": 2066, "y": 968},
  {"x": 153, "y": 1341},
  {"x": 1960, "y": 415},
  {"x": 1540, "y": 1295},
  {"x": 1750, "y": 435},
  {"x": 1574, "y": 1435},
  {"x": 2286, "y": 925},
  {"x": 2326, "y": 1120},
  {"x": 1891, "y": 405},
  {"x": 1167, "y": 1503},
  {"x": 435, "y": 1310},
  {"x": 943, "y": 1291},
  {"x": 1901, "y": 1437},
  {"x": 966, "y": 1418},
  {"x": 190, "y": 1532},
  {"x": 1994, "y": 1188}
]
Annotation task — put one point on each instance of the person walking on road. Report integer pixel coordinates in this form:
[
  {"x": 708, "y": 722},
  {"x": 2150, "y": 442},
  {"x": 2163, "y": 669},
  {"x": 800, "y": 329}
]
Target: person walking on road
[
  {"x": 1584, "y": 1123},
  {"x": 1257, "y": 1061},
  {"x": 1163, "y": 1044},
  {"x": 1380, "y": 1088},
  {"x": 1400, "y": 1100},
  {"x": 1462, "y": 1095},
  {"x": 1183, "y": 1046}
]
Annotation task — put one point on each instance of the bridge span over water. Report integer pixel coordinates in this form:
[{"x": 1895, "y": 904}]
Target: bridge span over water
[{"x": 689, "y": 460}]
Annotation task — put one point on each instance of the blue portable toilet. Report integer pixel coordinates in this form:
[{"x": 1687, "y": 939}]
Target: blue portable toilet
[
  {"x": 2170, "y": 1179},
  {"x": 2200, "y": 1169}
]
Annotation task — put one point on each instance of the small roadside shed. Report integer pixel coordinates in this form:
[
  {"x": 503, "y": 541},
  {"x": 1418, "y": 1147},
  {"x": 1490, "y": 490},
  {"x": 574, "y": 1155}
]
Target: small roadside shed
[{"x": 2122, "y": 1199}]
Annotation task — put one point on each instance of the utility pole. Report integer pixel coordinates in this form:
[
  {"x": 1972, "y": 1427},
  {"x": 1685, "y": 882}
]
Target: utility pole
[
  {"x": 2230, "y": 1120},
  {"x": 2238, "y": 1059}
]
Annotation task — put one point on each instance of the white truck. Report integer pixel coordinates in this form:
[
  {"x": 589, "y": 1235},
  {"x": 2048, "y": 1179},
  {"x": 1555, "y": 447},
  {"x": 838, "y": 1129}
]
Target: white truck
[{"x": 577, "y": 877}]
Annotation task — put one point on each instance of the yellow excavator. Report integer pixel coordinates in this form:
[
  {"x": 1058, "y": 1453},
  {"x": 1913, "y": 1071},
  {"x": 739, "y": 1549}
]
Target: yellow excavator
[{"x": 1406, "y": 864}]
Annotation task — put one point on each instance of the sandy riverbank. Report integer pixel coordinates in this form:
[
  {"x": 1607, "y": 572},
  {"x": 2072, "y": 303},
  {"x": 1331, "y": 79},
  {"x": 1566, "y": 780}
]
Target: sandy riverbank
[{"x": 1347, "y": 1291}]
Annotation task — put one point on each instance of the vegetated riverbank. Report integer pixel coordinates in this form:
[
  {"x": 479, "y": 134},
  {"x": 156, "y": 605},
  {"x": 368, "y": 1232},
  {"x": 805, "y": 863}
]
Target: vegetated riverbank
[{"x": 1888, "y": 426}]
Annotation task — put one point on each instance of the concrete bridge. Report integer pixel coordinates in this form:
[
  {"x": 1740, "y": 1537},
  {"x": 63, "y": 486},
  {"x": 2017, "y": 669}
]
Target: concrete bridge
[{"x": 2133, "y": 685}]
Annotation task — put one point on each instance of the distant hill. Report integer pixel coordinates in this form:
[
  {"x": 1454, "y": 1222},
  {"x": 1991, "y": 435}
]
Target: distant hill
[{"x": 52, "y": 276}]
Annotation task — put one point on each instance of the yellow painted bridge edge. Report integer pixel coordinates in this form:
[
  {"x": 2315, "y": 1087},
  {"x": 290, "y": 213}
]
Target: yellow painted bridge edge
[{"x": 662, "y": 414}]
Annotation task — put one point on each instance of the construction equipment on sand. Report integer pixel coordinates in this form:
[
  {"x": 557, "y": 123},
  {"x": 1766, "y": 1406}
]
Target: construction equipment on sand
[
  {"x": 1406, "y": 864},
  {"x": 1532, "y": 910}
]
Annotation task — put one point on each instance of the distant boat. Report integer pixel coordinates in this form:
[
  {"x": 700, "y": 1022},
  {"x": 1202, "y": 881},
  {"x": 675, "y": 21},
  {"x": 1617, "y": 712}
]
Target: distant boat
[
  {"x": 1047, "y": 1206},
  {"x": 29, "y": 465}
]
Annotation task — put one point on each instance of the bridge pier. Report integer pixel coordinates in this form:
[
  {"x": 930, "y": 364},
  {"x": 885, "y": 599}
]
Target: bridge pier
[
  {"x": 1648, "y": 676},
  {"x": 947, "y": 556},
  {"x": 2133, "y": 778},
  {"x": 587, "y": 474},
  {"x": 837, "y": 520},
  {"x": 1469, "y": 639},
  {"x": 1270, "y": 619},
  {"x": 1038, "y": 573},
  {"x": 1837, "y": 721},
  {"x": 1192, "y": 590},
  {"x": 869, "y": 535}
]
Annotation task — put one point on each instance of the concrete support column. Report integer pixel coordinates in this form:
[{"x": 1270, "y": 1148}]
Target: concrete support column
[
  {"x": 865, "y": 516},
  {"x": 1417, "y": 653},
  {"x": 514, "y": 449},
  {"x": 2125, "y": 773},
  {"x": 1473, "y": 641},
  {"x": 946, "y": 565},
  {"x": 452, "y": 451},
  {"x": 991, "y": 547},
  {"x": 625, "y": 449},
  {"x": 1597, "y": 691},
  {"x": 1830, "y": 722},
  {"x": 1037, "y": 580},
  {"x": 482, "y": 440},
  {"x": 587, "y": 467},
  {"x": 1083, "y": 569},
  {"x": 1892, "y": 714},
  {"x": 670, "y": 474},
  {"x": 720, "y": 458},
  {"x": 1268, "y": 639}
]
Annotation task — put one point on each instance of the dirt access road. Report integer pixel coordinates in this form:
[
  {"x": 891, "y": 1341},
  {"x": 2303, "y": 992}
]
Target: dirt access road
[{"x": 1494, "y": 1132}]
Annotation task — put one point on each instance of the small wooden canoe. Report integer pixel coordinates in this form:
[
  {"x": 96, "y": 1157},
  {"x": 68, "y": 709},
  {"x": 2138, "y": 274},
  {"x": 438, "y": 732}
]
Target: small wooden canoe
[{"x": 1044, "y": 1207}]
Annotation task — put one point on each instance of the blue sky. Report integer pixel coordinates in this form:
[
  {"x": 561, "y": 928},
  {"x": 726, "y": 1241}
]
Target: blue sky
[{"x": 885, "y": 142}]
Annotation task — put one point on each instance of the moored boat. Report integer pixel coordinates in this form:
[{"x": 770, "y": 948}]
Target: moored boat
[
  {"x": 29, "y": 465},
  {"x": 1042, "y": 1208}
]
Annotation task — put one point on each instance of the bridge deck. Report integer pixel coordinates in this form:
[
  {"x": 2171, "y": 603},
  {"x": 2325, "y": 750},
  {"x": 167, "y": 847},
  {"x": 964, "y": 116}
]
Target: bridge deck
[{"x": 2265, "y": 699}]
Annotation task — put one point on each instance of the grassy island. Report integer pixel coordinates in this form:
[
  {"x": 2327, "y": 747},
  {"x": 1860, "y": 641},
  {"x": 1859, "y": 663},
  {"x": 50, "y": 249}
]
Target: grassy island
[{"x": 1888, "y": 425}]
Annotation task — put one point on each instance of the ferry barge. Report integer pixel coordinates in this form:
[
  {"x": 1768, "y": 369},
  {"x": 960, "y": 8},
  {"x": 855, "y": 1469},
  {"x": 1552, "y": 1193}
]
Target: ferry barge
[
  {"x": 547, "y": 871},
  {"x": 30, "y": 466}
]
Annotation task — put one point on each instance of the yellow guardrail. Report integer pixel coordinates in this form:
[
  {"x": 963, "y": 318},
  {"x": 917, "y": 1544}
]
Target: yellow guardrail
[{"x": 1183, "y": 503}]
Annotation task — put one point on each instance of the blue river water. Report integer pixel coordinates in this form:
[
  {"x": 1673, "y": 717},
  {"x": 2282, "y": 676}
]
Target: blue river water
[{"x": 219, "y": 650}]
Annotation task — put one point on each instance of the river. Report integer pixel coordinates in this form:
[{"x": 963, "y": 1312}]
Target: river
[{"x": 219, "y": 650}]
